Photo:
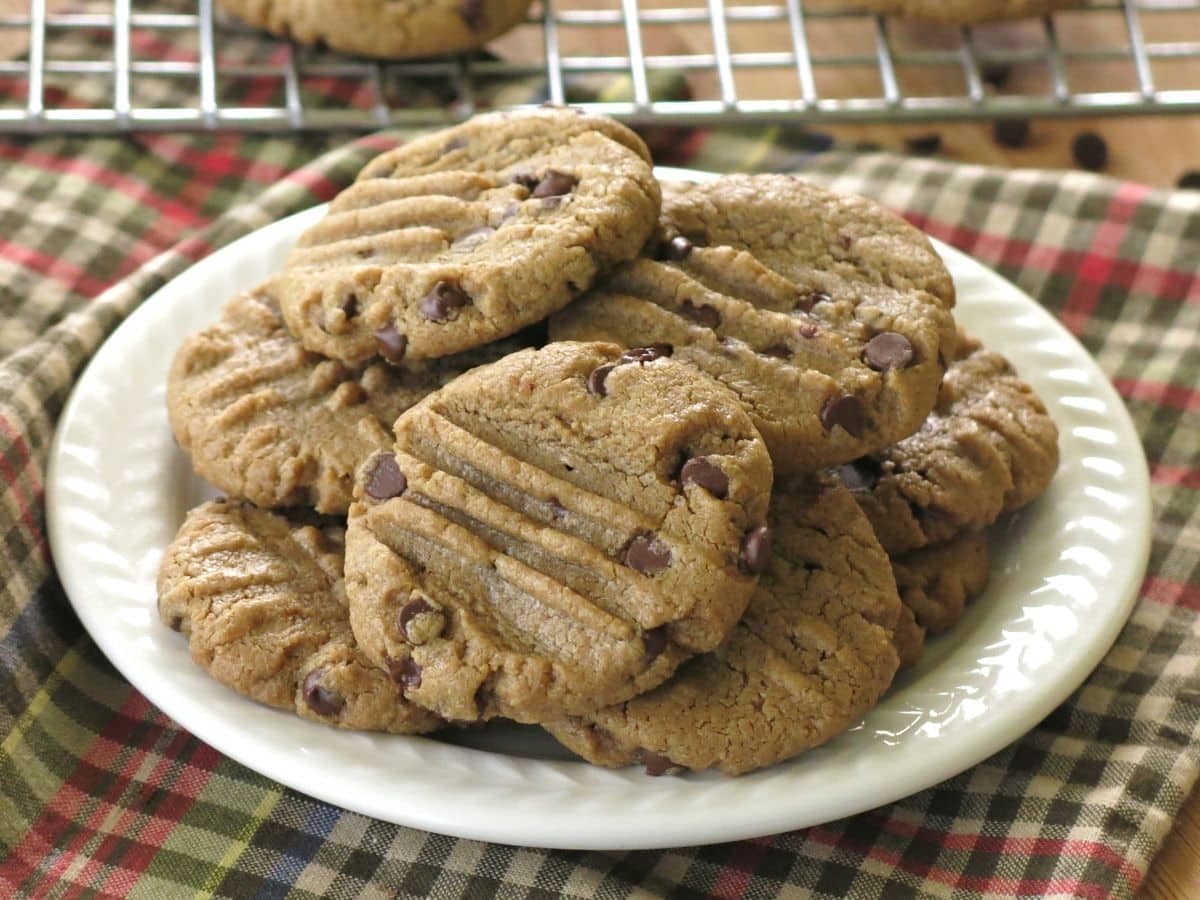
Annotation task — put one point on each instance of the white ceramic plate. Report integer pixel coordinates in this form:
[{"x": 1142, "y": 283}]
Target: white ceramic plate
[{"x": 1066, "y": 573}]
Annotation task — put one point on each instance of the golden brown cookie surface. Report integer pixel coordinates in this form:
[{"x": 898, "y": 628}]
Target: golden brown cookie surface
[
  {"x": 464, "y": 236},
  {"x": 571, "y": 522},
  {"x": 826, "y": 314},
  {"x": 393, "y": 29},
  {"x": 813, "y": 652},
  {"x": 259, "y": 596},
  {"x": 266, "y": 420},
  {"x": 936, "y": 583},
  {"x": 988, "y": 447}
]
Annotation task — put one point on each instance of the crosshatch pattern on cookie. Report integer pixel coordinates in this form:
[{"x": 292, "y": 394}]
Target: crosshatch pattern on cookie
[
  {"x": 260, "y": 598},
  {"x": 989, "y": 447},
  {"x": 467, "y": 235},
  {"x": 812, "y": 653},
  {"x": 828, "y": 316},
  {"x": 583, "y": 537},
  {"x": 264, "y": 419}
]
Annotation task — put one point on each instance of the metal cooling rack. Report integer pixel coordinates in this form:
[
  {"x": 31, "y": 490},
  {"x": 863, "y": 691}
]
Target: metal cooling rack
[{"x": 111, "y": 68}]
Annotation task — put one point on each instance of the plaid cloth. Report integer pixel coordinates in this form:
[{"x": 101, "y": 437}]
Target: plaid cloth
[{"x": 102, "y": 795}]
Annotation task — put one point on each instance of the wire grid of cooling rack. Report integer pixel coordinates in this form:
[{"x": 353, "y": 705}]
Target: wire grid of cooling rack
[{"x": 736, "y": 62}]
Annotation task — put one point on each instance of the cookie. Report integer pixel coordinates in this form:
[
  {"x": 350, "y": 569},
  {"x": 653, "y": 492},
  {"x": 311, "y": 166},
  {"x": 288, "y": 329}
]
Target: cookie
[
  {"x": 812, "y": 654},
  {"x": 965, "y": 12},
  {"x": 556, "y": 532},
  {"x": 260, "y": 598},
  {"x": 464, "y": 236},
  {"x": 826, "y": 314},
  {"x": 909, "y": 638},
  {"x": 266, "y": 420},
  {"x": 936, "y": 583},
  {"x": 988, "y": 447},
  {"x": 384, "y": 28}
]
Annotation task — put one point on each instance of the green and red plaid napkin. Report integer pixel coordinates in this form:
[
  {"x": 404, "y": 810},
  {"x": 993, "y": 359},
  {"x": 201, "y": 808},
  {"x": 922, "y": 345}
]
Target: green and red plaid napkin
[{"x": 102, "y": 795}]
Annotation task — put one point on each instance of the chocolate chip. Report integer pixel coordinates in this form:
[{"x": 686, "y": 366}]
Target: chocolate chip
[
  {"x": 643, "y": 355},
  {"x": 860, "y": 475},
  {"x": 677, "y": 249},
  {"x": 845, "y": 240},
  {"x": 176, "y": 623},
  {"x": 1189, "y": 181},
  {"x": 420, "y": 621},
  {"x": 1090, "y": 151},
  {"x": 473, "y": 13},
  {"x": 924, "y": 144},
  {"x": 443, "y": 300},
  {"x": 779, "y": 351},
  {"x": 756, "y": 550},
  {"x": 392, "y": 344},
  {"x": 526, "y": 180},
  {"x": 648, "y": 555},
  {"x": 386, "y": 480},
  {"x": 350, "y": 306},
  {"x": 706, "y": 315},
  {"x": 888, "y": 350},
  {"x": 816, "y": 141},
  {"x": 595, "y": 382},
  {"x": 554, "y": 184},
  {"x": 405, "y": 672},
  {"x": 473, "y": 238},
  {"x": 655, "y": 642},
  {"x": 656, "y": 764},
  {"x": 996, "y": 74},
  {"x": 847, "y": 411},
  {"x": 808, "y": 330},
  {"x": 702, "y": 473},
  {"x": 1013, "y": 133},
  {"x": 319, "y": 698}
]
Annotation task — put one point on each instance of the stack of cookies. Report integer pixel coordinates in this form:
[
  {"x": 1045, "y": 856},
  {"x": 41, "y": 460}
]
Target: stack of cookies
[{"x": 682, "y": 473}]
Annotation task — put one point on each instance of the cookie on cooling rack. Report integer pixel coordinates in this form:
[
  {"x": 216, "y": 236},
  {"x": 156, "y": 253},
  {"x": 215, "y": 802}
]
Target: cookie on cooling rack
[{"x": 392, "y": 29}]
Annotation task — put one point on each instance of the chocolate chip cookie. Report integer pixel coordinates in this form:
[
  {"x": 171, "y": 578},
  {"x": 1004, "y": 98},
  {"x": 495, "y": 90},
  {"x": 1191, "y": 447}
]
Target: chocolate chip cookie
[
  {"x": 936, "y": 583},
  {"x": 260, "y": 598},
  {"x": 393, "y": 29},
  {"x": 827, "y": 315},
  {"x": 467, "y": 235},
  {"x": 556, "y": 532},
  {"x": 988, "y": 447},
  {"x": 264, "y": 419},
  {"x": 964, "y": 12},
  {"x": 813, "y": 652}
]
